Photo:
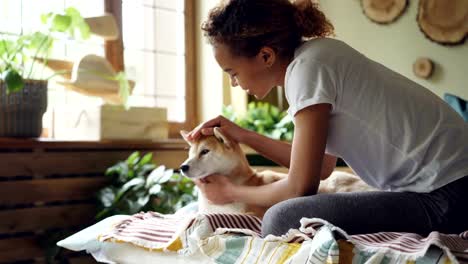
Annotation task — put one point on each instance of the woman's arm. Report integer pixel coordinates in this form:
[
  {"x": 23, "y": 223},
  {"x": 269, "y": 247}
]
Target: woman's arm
[
  {"x": 275, "y": 150},
  {"x": 307, "y": 154},
  {"x": 280, "y": 152}
]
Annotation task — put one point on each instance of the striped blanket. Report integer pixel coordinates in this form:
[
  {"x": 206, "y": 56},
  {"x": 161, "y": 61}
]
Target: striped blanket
[{"x": 235, "y": 238}]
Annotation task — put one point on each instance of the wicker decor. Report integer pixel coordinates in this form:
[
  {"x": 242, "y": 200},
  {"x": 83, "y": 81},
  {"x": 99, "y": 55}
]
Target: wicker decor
[{"x": 21, "y": 112}]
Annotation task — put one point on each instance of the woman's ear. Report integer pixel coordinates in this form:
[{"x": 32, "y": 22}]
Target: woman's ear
[{"x": 268, "y": 56}]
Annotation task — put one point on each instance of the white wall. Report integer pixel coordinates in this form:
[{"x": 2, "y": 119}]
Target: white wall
[{"x": 399, "y": 44}]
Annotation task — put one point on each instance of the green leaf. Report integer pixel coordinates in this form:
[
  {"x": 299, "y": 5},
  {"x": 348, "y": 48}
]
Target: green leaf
[
  {"x": 133, "y": 158},
  {"x": 124, "y": 88},
  {"x": 13, "y": 80},
  {"x": 61, "y": 23},
  {"x": 37, "y": 44},
  {"x": 167, "y": 176},
  {"x": 106, "y": 196},
  {"x": 144, "y": 170},
  {"x": 155, "y": 189},
  {"x": 131, "y": 174},
  {"x": 5, "y": 47},
  {"x": 78, "y": 23},
  {"x": 116, "y": 169},
  {"x": 129, "y": 185},
  {"x": 133, "y": 206},
  {"x": 228, "y": 112},
  {"x": 146, "y": 159},
  {"x": 289, "y": 136},
  {"x": 276, "y": 134},
  {"x": 274, "y": 111},
  {"x": 142, "y": 201},
  {"x": 155, "y": 176},
  {"x": 45, "y": 17},
  {"x": 285, "y": 121}
]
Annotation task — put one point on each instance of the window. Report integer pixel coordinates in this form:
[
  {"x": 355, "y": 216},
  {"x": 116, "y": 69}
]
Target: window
[
  {"x": 158, "y": 51},
  {"x": 19, "y": 16}
]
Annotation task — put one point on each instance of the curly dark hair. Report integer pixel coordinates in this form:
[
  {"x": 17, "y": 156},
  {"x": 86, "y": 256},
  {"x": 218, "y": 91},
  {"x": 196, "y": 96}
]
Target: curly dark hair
[{"x": 246, "y": 26}]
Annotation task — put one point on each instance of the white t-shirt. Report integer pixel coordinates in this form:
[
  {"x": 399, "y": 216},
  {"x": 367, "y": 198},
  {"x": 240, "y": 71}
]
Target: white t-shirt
[{"x": 395, "y": 134}]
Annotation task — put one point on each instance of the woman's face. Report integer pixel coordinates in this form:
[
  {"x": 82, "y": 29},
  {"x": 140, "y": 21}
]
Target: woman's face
[{"x": 254, "y": 75}]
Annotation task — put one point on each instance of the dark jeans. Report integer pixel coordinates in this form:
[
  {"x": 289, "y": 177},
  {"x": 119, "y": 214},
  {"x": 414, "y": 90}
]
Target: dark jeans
[{"x": 444, "y": 210}]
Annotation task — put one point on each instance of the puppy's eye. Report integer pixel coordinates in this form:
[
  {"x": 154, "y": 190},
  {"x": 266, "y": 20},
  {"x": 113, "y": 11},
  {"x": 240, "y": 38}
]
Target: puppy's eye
[{"x": 204, "y": 151}]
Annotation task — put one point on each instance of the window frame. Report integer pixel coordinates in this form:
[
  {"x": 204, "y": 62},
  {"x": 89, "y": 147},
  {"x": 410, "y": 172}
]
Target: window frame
[{"x": 115, "y": 55}]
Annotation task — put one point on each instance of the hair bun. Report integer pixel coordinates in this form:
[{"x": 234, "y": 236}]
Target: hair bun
[{"x": 310, "y": 21}]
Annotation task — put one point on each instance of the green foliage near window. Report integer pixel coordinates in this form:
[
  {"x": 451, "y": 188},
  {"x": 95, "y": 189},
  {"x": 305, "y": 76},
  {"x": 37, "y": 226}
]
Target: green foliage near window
[
  {"x": 137, "y": 184},
  {"x": 18, "y": 53},
  {"x": 71, "y": 21},
  {"x": 265, "y": 119}
]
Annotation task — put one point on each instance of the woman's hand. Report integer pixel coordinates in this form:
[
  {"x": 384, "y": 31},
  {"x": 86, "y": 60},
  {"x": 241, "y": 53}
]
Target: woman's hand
[
  {"x": 227, "y": 127},
  {"x": 216, "y": 188}
]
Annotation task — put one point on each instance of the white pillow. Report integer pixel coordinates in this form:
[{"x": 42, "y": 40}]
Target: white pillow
[
  {"x": 86, "y": 239},
  {"x": 126, "y": 253},
  {"x": 109, "y": 252}
]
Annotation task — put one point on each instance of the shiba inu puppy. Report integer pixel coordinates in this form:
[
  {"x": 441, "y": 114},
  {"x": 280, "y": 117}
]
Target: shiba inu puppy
[{"x": 219, "y": 154}]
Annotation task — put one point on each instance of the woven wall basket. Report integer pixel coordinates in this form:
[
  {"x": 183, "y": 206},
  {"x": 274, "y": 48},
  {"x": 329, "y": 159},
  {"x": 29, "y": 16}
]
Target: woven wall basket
[{"x": 21, "y": 112}]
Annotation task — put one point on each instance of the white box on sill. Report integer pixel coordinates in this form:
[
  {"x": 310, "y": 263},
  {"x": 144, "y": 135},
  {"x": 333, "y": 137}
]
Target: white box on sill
[{"x": 109, "y": 122}]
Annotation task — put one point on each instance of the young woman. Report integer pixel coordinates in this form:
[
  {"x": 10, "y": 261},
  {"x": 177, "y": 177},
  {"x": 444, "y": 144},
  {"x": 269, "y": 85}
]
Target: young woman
[{"x": 395, "y": 134}]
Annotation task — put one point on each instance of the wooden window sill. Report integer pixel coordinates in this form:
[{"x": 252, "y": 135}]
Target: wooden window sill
[{"x": 45, "y": 143}]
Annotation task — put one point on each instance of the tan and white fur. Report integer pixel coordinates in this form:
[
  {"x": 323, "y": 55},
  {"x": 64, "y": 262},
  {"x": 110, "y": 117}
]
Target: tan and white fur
[{"x": 219, "y": 154}]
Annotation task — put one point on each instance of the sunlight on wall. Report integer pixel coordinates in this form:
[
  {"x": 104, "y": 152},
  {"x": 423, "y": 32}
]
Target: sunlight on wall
[{"x": 209, "y": 75}]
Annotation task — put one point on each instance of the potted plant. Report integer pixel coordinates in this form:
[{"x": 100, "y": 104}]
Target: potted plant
[
  {"x": 23, "y": 86},
  {"x": 23, "y": 91},
  {"x": 137, "y": 184},
  {"x": 265, "y": 119}
]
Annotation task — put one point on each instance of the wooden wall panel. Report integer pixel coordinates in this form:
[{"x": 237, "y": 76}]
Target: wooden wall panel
[
  {"x": 16, "y": 249},
  {"x": 28, "y": 248},
  {"x": 58, "y": 163},
  {"x": 47, "y": 217},
  {"x": 49, "y": 190},
  {"x": 49, "y": 185},
  {"x": 39, "y": 164}
]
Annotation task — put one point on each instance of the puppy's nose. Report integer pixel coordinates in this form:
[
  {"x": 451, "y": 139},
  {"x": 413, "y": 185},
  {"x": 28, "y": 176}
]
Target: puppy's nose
[{"x": 184, "y": 168}]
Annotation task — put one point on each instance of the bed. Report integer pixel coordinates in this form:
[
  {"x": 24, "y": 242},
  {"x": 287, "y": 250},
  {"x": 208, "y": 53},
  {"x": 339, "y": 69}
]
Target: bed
[{"x": 150, "y": 237}]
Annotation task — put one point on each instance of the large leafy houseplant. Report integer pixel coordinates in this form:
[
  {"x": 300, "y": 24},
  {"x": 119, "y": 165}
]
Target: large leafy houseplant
[
  {"x": 137, "y": 184},
  {"x": 18, "y": 54},
  {"x": 23, "y": 81},
  {"x": 23, "y": 89},
  {"x": 263, "y": 118}
]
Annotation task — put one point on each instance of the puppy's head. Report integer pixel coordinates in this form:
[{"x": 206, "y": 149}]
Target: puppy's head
[{"x": 216, "y": 154}]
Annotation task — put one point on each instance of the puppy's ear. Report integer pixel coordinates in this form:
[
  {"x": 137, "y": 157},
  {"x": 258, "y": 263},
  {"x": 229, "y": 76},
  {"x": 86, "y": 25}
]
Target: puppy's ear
[
  {"x": 184, "y": 134},
  {"x": 221, "y": 137}
]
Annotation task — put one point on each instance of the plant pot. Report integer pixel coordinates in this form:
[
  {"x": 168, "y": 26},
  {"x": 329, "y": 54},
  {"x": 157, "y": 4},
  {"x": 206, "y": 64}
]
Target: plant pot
[{"x": 21, "y": 112}]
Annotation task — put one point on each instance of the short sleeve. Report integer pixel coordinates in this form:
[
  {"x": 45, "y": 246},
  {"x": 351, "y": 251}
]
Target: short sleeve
[{"x": 309, "y": 82}]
